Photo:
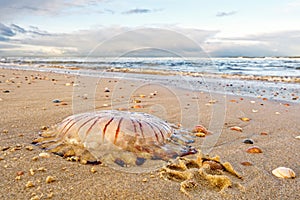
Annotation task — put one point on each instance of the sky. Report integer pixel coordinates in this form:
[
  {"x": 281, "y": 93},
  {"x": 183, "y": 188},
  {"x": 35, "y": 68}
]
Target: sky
[{"x": 117, "y": 27}]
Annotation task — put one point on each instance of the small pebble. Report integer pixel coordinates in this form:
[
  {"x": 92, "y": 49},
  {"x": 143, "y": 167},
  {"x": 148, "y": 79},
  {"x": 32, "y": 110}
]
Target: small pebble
[
  {"x": 5, "y": 131},
  {"x": 248, "y": 141},
  {"x": 29, "y": 148},
  {"x": 35, "y": 158},
  {"x": 6, "y": 91},
  {"x": 93, "y": 170},
  {"x": 31, "y": 171},
  {"x": 137, "y": 106},
  {"x": 254, "y": 149},
  {"x": 42, "y": 169},
  {"x": 56, "y": 101},
  {"x": 264, "y": 133},
  {"x": 145, "y": 180},
  {"x": 20, "y": 173}
]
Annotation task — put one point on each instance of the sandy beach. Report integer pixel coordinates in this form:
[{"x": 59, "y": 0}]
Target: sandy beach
[{"x": 26, "y": 106}]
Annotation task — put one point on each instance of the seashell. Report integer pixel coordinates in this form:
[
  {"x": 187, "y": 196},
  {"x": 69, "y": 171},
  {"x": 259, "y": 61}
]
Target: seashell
[
  {"x": 297, "y": 137},
  {"x": 120, "y": 139},
  {"x": 254, "y": 111},
  {"x": 200, "y": 129},
  {"x": 252, "y": 102},
  {"x": 284, "y": 172},
  {"x": 277, "y": 113},
  {"x": 254, "y": 149},
  {"x": 236, "y": 128},
  {"x": 106, "y": 90},
  {"x": 213, "y": 165},
  {"x": 68, "y": 84},
  {"x": 245, "y": 119},
  {"x": 44, "y": 155},
  {"x": 50, "y": 179}
]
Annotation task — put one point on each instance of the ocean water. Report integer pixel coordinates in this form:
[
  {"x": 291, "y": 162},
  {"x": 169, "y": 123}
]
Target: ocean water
[
  {"x": 282, "y": 67},
  {"x": 181, "y": 73}
]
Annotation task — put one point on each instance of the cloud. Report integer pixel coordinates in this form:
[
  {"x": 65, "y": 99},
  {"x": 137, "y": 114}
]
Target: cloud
[
  {"x": 108, "y": 41},
  {"x": 13, "y": 8},
  {"x": 140, "y": 11},
  {"x": 281, "y": 43},
  {"x": 5, "y": 31},
  {"x": 224, "y": 14},
  {"x": 124, "y": 41}
]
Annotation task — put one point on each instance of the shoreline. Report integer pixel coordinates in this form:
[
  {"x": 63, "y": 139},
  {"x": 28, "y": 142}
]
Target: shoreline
[
  {"x": 285, "y": 89},
  {"x": 26, "y": 104}
]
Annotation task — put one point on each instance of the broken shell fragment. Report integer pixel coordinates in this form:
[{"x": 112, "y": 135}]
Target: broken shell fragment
[
  {"x": 246, "y": 163},
  {"x": 236, "y": 128},
  {"x": 254, "y": 149},
  {"x": 245, "y": 119},
  {"x": 29, "y": 184},
  {"x": 284, "y": 172},
  {"x": 297, "y": 137},
  {"x": 50, "y": 179}
]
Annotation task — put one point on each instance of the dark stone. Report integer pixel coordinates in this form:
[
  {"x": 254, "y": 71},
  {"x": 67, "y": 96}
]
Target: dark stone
[
  {"x": 248, "y": 141},
  {"x": 139, "y": 161},
  {"x": 56, "y": 101},
  {"x": 120, "y": 162}
]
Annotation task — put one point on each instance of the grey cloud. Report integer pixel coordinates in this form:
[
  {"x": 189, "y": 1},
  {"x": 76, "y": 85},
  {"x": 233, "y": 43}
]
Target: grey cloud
[
  {"x": 116, "y": 41},
  {"x": 283, "y": 43},
  {"x": 224, "y": 14},
  {"x": 137, "y": 11},
  {"x": 12, "y": 8},
  {"x": 6, "y": 31}
]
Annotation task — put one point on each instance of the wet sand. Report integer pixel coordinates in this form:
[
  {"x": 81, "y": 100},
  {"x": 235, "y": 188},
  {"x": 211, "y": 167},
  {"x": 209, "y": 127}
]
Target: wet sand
[{"x": 26, "y": 102}]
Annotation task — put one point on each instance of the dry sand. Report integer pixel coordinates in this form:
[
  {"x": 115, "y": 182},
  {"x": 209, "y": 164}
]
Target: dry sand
[{"x": 26, "y": 106}]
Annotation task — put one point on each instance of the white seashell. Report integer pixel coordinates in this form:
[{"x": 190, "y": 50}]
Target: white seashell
[
  {"x": 44, "y": 155},
  {"x": 297, "y": 137},
  {"x": 284, "y": 172}
]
